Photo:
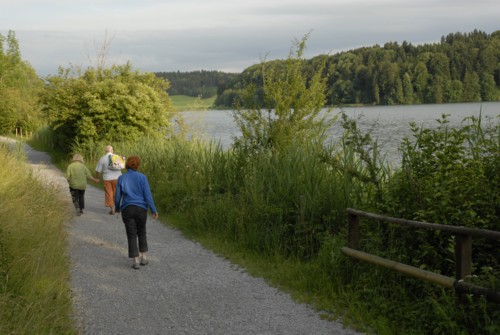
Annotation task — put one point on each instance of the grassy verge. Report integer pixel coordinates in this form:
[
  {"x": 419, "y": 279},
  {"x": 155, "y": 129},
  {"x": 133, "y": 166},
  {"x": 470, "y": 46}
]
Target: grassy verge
[
  {"x": 34, "y": 269},
  {"x": 186, "y": 103}
]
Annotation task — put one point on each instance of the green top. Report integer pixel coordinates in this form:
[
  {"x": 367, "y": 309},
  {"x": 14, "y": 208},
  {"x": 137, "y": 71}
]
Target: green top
[{"x": 77, "y": 174}]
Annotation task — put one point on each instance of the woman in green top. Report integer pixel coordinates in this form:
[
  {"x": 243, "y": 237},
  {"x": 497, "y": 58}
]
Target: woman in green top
[{"x": 77, "y": 175}]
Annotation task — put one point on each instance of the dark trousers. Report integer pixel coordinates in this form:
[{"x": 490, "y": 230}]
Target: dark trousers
[
  {"x": 134, "y": 218},
  {"x": 78, "y": 197}
]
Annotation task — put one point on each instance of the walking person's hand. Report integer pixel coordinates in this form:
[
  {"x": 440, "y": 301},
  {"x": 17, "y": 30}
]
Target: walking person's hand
[{"x": 155, "y": 216}]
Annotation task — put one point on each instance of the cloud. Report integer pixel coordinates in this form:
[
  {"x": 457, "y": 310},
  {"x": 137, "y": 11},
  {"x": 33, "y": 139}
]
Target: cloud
[{"x": 185, "y": 35}]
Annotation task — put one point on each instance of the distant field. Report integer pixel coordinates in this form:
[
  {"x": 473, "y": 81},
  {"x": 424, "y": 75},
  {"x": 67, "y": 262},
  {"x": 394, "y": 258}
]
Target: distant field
[{"x": 184, "y": 102}]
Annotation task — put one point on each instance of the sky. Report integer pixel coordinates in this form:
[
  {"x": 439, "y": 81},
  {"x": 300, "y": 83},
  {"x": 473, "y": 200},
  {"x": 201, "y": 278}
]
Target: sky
[{"x": 224, "y": 35}]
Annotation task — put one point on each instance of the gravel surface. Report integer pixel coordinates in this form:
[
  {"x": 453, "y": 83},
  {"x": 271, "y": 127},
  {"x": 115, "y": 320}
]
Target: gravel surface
[{"x": 185, "y": 289}]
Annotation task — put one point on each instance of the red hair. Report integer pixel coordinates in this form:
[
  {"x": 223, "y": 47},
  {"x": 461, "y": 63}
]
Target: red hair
[{"x": 133, "y": 163}]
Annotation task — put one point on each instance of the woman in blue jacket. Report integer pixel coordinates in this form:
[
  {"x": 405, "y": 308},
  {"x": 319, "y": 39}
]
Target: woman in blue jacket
[{"x": 132, "y": 198}]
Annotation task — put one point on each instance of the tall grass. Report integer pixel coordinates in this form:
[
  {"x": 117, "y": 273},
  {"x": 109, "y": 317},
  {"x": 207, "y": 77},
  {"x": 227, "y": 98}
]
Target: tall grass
[
  {"x": 34, "y": 270},
  {"x": 288, "y": 202}
]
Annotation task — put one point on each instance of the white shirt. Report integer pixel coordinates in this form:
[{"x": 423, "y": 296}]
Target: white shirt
[{"x": 102, "y": 167}]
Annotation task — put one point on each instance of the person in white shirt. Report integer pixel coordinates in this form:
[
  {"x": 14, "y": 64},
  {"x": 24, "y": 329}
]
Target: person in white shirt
[{"x": 109, "y": 178}]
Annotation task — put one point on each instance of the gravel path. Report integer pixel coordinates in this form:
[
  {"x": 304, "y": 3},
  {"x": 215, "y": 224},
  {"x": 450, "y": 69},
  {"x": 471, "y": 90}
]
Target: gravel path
[{"x": 185, "y": 289}]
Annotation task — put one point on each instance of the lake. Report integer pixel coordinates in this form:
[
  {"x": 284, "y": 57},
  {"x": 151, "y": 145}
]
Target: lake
[{"x": 388, "y": 124}]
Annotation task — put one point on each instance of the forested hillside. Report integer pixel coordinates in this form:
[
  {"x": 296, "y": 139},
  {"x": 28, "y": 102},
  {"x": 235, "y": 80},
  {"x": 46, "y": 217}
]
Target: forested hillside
[
  {"x": 462, "y": 67},
  {"x": 197, "y": 83}
]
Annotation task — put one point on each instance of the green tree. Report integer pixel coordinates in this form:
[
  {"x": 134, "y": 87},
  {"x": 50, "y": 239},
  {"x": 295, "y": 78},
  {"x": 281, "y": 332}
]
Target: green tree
[
  {"x": 197, "y": 83},
  {"x": 399, "y": 94},
  {"x": 109, "y": 104},
  {"x": 19, "y": 89},
  {"x": 454, "y": 91},
  {"x": 438, "y": 65},
  {"x": 421, "y": 81},
  {"x": 387, "y": 81},
  {"x": 362, "y": 84},
  {"x": 407, "y": 89},
  {"x": 229, "y": 98},
  {"x": 472, "y": 87},
  {"x": 294, "y": 104},
  {"x": 437, "y": 90},
  {"x": 376, "y": 94},
  {"x": 342, "y": 78},
  {"x": 488, "y": 87}
]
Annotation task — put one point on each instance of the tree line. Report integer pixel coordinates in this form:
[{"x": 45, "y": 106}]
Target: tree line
[
  {"x": 462, "y": 67},
  {"x": 197, "y": 83}
]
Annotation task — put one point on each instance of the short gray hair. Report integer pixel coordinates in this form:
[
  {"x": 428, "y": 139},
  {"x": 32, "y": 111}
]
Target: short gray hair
[{"x": 77, "y": 157}]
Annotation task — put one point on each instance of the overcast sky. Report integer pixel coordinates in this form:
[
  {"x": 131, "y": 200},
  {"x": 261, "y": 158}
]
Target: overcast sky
[{"x": 225, "y": 35}]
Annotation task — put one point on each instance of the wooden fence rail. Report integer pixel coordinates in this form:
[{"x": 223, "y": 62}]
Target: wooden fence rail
[{"x": 463, "y": 252}]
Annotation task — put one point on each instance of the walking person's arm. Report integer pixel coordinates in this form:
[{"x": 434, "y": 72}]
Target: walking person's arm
[
  {"x": 149, "y": 198},
  {"x": 118, "y": 195}
]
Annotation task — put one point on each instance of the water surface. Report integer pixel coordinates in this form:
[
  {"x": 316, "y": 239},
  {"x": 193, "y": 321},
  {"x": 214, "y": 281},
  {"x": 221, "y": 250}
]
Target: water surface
[{"x": 388, "y": 124}]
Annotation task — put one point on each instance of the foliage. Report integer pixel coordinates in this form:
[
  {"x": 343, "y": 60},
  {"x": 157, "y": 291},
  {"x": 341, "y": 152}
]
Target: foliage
[
  {"x": 34, "y": 272},
  {"x": 19, "y": 89},
  {"x": 294, "y": 106},
  {"x": 366, "y": 163},
  {"x": 461, "y": 67},
  {"x": 449, "y": 176},
  {"x": 106, "y": 104},
  {"x": 206, "y": 84}
]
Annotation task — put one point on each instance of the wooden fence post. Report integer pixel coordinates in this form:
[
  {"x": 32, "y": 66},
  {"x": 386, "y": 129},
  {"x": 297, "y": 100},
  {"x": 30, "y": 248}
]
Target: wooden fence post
[
  {"x": 463, "y": 256},
  {"x": 463, "y": 260},
  {"x": 353, "y": 231}
]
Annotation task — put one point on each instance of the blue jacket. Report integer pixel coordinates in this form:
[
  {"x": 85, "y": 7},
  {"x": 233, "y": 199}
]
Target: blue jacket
[{"x": 133, "y": 189}]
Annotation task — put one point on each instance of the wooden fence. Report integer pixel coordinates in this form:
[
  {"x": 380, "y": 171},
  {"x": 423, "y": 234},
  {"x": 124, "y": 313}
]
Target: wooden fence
[{"x": 463, "y": 252}]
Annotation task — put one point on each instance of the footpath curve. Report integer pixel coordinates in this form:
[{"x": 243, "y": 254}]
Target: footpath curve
[{"x": 185, "y": 289}]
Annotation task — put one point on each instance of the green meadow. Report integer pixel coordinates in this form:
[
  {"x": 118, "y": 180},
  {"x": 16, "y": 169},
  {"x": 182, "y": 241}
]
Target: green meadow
[{"x": 187, "y": 103}]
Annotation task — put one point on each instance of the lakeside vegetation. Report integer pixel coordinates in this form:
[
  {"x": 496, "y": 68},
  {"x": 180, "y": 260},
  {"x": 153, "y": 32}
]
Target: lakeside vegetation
[
  {"x": 34, "y": 267},
  {"x": 275, "y": 201},
  {"x": 186, "y": 103}
]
